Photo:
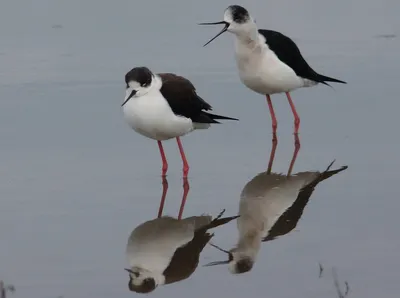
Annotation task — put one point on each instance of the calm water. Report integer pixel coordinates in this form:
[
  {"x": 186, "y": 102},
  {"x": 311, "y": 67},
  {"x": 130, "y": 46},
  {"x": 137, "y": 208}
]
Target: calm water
[{"x": 76, "y": 180}]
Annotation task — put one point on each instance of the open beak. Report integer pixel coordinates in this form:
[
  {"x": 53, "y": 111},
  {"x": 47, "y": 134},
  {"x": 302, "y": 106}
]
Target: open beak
[
  {"x": 222, "y": 31},
  {"x": 220, "y": 262},
  {"x": 129, "y": 97}
]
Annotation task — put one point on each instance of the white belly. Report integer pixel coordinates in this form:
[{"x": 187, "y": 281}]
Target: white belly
[
  {"x": 262, "y": 71},
  {"x": 151, "y": 116}
]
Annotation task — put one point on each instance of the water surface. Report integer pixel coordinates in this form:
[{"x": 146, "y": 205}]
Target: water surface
[{"x": 76, "y": 179}]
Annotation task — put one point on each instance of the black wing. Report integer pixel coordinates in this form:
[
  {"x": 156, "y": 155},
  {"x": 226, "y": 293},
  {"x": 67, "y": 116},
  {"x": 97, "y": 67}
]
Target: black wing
[
  {"x": 183, "y": 99},
  {"x": 288, "y": 221},
  {"x": 288, "y": 52},
  {"x": 186, "y": 259}
]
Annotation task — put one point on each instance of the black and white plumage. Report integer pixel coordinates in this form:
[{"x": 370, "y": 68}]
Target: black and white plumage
[
  {"x": 270, "y": 206},
  {"x": 269, "y": 62},
  {"x": 164, "y": 106},
  {"x": 167, "y": 250}
]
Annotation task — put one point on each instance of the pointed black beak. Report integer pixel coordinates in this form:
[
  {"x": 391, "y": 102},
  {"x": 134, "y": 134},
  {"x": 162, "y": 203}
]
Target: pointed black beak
[
  {"x": 216, "y": 263},
  {"x": 132, "y": 272},
  {"x": 129, "y": 270},
  {"x": 222, "y": 31},
  {"x": 220, "y": 262},
  {"x": 129, "y": 97}
]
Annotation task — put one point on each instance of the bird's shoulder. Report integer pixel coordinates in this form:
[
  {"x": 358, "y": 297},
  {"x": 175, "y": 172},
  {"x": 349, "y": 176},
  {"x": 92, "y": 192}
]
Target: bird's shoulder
[
  {"x": 287, "y": 51},
  {"x": 181, "y": 95}
]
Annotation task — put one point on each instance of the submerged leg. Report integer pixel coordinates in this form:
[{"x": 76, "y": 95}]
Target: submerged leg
[
  {"x": 272, "y": 155},
  {"x": 273, "y": 118},
  {"x": 296, "y": 116},
  {"x": 184, "y": 197},
  {"x": 163, "y": 196},
  {"x": 163, "y": 158},
  {"x": 184, "y": 160},
  {"x": 296, "y": 151}
]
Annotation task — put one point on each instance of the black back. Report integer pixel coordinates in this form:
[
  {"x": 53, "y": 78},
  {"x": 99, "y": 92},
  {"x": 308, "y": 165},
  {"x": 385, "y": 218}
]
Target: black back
[
  {"x": 289, "y": 219},
  {"x": 186, "y": 258},
  {"x": 183, "y": 99},
  {"x": 288, "y": 52}
]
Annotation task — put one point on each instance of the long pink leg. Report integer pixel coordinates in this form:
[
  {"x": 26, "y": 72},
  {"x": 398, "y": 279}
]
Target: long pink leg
[
  {"x": 296, "y": 116},
  {"x": 184, "y": 196},
  {"x": 163, "y": 158},
  {"x": 271, "y": 110},
  {"x": 184, "y": 160},
  {"x": 163, "y": 196}
]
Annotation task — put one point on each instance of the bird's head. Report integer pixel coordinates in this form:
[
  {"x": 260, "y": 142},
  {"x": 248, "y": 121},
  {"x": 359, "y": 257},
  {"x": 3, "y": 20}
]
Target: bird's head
[
  {"x": 237, "y": 262},
  {"x": 139, "y": 81},
  {"x": 141, "y": 281},
  {"x": 237, "y": 20}
]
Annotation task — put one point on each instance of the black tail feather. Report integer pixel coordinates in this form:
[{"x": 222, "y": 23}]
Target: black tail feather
[
  {"x": 323, "y": 79},
  {"x": 323, "y": 176},
  {"x": 214, "y": 116},
  {"x": 219, "y": 221}
]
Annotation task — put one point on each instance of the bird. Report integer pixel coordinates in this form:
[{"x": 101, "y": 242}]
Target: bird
[
  {"x": 268, "y": 61},
  {"x": 270, "y": 205},
  {"x": 165, "y": 106},
  {"x": 166, "y": 250}
]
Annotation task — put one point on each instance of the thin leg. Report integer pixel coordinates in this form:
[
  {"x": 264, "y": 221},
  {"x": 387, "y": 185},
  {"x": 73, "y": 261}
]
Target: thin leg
[
  {"x": 163, "y": 158},
  {"x": 296, "y": 151},
  {"x": 271, "y": 110},
  {"x": 296, "y": 116},
  {"x": 163, "y": 196},
  {"x": 184, "y": 196},
  {"x": 272, "y": 155},
  {"x": 184, "y": 160}
]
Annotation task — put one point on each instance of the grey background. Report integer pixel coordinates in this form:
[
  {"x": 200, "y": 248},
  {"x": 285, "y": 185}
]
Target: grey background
[{"x": 76, "y": 179}]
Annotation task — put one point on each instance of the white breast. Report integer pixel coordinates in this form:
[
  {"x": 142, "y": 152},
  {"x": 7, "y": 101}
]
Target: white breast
[
  {"x": 266, "y": 198},
  {"x": 261, "y": 70},
  {"x": 152, "y": 244},
  {"x": 151, "y": 116}
]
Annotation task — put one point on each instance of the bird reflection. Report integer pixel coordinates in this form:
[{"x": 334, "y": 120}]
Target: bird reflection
[
  {"x": 270, "y": 206},
  {"x": 166, "y": 250}
]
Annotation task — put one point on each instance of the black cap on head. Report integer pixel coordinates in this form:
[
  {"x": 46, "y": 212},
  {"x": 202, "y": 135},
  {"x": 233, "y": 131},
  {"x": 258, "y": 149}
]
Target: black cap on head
[
  {"x": 142, "y": 75},
  {"x": 239, "y": 14},
  {"x": 148, "y": 285},
  {"x": 244, "y": 265}
]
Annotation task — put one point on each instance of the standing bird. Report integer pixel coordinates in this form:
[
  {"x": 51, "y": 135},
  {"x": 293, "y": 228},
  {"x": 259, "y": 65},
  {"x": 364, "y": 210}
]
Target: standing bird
[
  {"x": 164, "y": 106},
  {"x": 166, "y": 250},
  {"x": 270, "y": 206},
  {"x": 268, "y": 61}
]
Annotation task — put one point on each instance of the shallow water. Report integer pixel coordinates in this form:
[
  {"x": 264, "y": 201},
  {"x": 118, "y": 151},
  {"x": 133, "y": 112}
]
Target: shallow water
[{"x": 76, "y": 180}]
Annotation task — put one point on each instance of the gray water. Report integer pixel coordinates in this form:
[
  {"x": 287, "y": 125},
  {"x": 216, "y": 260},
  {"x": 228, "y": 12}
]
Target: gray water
[{"x": 76, "y": 180}]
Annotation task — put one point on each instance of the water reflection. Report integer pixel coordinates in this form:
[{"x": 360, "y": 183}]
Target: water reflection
[
  {"x": 166, "y": 250},
  {"x": 273, "y": 150},
  {"x": 186, "y": 188},
  {"x": 271, "y": 205}
]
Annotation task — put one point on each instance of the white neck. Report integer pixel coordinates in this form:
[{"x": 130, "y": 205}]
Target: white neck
[
  {"x": 155, "y": 85},
  {"x": 144, "y": 273},
  {"x": 249, "y": 244},
  {"x": 248, "y": 37}
]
